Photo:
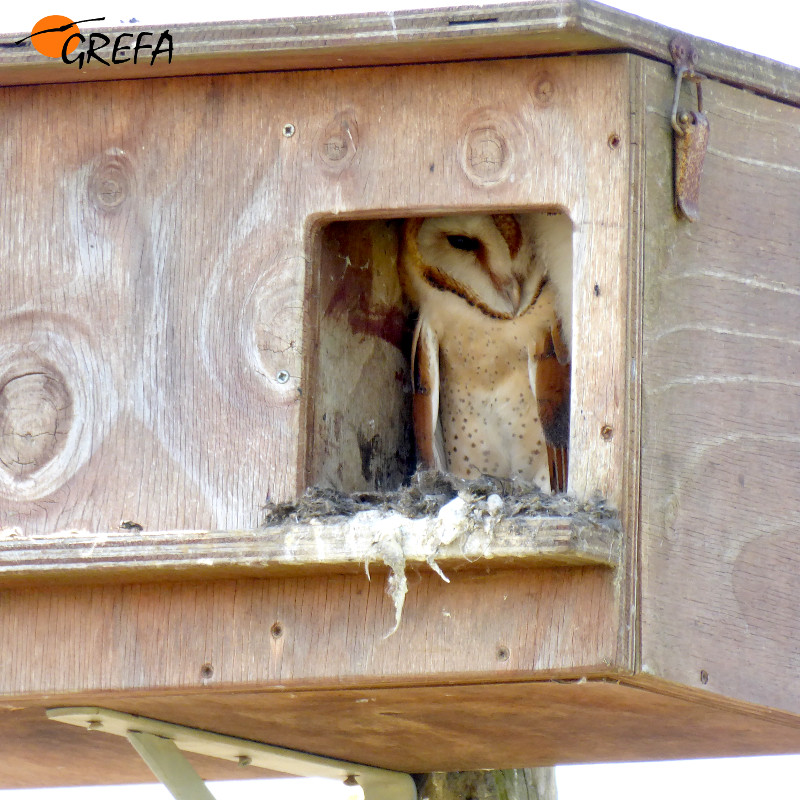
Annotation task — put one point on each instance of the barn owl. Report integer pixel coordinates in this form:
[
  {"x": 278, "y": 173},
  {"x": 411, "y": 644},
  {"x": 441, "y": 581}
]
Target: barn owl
[{"x": 491, "y": 348}]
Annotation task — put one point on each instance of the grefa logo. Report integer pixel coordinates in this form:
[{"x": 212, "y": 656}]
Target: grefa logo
[{"x": 57, "y": 36}]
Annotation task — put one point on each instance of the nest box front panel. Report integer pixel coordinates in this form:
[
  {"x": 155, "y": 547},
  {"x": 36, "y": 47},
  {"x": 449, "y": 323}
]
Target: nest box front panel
[
  {"x": 161, "y": 326},
  {"x": 152, "y": 306}
]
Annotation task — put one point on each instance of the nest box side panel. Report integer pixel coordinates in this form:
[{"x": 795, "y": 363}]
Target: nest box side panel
[
  {"x": 721, "y": 397},
  {"x": 152, "y": 306}
]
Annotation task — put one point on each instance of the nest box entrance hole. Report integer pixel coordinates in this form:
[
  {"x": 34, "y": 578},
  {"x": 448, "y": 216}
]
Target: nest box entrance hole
[{"x": 483, "y": 300}]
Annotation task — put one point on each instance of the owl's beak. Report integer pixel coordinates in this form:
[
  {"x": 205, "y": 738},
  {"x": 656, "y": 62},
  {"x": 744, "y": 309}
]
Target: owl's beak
[{"x": 510, "y": 289}]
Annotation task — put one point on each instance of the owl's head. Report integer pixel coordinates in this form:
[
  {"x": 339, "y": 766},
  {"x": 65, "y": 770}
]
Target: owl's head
[
  {"x": 493, "y": 262},
  {"x": 485, "y": 259}
]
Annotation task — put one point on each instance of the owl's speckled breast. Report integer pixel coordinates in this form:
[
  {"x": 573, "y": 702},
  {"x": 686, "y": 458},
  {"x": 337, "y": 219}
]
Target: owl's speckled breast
[
  {"x": 486, "y": 289},
  {"x": 488, "y": 411}
]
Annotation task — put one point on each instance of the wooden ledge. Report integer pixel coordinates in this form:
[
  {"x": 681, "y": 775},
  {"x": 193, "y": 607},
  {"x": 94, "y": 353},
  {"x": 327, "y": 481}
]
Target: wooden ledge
[{"x": 337, "y": 545}]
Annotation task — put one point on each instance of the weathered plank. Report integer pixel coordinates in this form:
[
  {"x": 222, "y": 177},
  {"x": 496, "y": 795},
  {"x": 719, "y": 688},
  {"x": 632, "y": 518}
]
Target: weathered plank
[
  {"x": 720, "y": 487},
  {"x": 630, "y": 477},
  {"x": 540, "y": 27},
  {"x": 368, "y": 540}
]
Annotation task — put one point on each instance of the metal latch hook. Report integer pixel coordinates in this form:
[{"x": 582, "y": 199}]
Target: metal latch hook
[
  {"x": 682, "y": 119},
  {"x": 684, "y": 57},
  {"x": 690, "y": 131}
]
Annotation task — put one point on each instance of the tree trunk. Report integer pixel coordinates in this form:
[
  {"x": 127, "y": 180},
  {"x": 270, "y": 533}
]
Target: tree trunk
[{"x": 507, "y": 784}]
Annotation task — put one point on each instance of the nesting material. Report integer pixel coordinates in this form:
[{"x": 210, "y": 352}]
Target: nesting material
[
  {"x": 441, "y": 518},
  {"x": 428, "y": 491}
]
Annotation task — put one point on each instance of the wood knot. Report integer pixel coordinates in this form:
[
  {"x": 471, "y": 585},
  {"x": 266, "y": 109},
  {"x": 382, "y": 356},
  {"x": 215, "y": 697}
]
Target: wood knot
[
  {"x": 110, "y": 182},
  {"x": 544, "y": 91},
  {"x": 35, "y": 417},
  {"x": 487, "y": 151},
  {"x": 337, "y": 145}
]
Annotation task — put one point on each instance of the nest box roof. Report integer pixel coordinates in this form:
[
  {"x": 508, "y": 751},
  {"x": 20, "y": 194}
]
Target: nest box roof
[{"x": 538, "y": 27}]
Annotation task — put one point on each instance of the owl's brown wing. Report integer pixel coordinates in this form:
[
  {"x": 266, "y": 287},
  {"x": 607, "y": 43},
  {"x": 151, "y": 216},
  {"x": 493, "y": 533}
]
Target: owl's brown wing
[
  {"x": 552, "y": 386},
  {"x": 425, "y": 403}
]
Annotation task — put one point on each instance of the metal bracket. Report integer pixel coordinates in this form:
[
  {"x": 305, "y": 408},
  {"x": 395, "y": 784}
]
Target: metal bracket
[
  {"x": 691, "y": 129},
  {"x": 160, "y": 745}
]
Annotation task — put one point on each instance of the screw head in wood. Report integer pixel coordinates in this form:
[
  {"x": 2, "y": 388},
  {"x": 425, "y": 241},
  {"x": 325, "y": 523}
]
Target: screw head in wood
[
  {"x": 282, "y": 376},
  {"x": 288, "y": 130}
]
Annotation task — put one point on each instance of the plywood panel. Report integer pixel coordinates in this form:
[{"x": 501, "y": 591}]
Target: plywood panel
[
  {"x": 304, "y": 631},
  {"x": 152, "y": 341},
  {"x": 416, "y": 729},
  {"x": 720, "y": 451},
  {"x": 152, "y": 293}
]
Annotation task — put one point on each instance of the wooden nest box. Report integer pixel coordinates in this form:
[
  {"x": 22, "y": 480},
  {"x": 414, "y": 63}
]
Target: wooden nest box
[{"x": 201, "y": 312}]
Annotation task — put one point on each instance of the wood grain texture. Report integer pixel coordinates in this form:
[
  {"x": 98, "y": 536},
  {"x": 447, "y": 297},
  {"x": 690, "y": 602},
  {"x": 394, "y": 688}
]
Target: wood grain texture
[
  {"x": 416, "y": 729},
  {"x": 162, "y": 309},
  {"x": 720, "y": 485},
  {"x": 518, "y": 29},
  {"x": 153, "y": 351},
  {"x": 326, "y": 630},
  {"x": 630, "y": 633}
]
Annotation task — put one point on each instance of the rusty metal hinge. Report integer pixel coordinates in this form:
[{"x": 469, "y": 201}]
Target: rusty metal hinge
[{"x": 690, "y": 131}]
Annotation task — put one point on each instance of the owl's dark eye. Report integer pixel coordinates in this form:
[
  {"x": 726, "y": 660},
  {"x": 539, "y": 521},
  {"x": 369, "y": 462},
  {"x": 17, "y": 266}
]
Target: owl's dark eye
[{"x": 464, "y": 242}]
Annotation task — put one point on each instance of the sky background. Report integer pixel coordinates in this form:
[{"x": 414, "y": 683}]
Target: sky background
[{"x": 768, "y": 28}]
